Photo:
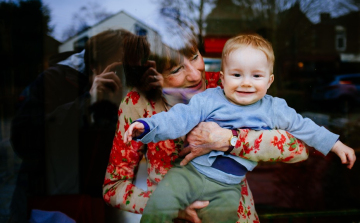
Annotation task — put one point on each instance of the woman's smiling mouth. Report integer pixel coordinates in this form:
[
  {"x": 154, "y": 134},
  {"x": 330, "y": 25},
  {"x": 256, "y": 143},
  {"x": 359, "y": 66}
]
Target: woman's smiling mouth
[{"x": 196, "y": 86}]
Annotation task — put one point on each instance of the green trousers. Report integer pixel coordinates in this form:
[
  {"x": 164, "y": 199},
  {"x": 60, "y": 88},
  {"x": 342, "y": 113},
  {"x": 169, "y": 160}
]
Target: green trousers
[{"x": 183, "y": 185}]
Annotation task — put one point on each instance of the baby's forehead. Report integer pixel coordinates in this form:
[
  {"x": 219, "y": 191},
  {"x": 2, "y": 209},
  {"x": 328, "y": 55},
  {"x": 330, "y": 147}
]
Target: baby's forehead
[{"x": 240, "y": 48}]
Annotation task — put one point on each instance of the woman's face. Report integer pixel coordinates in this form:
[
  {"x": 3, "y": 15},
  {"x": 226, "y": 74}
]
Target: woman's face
[{"x": 189, "y": 74}]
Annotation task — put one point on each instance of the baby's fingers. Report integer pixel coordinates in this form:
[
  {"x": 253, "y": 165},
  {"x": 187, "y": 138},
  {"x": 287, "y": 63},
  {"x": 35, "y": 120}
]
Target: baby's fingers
[
  {"x": 351, "y": 159},
  {"x": 128, "y": 134}
]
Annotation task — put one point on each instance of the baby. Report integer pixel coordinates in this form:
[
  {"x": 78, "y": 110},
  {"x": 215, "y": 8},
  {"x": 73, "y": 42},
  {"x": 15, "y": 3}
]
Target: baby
[{"x": 246, "y": 74}]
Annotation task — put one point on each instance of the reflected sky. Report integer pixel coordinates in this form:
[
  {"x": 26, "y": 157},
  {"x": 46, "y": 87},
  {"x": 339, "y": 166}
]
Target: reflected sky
[{"x": 62, "y": 11}]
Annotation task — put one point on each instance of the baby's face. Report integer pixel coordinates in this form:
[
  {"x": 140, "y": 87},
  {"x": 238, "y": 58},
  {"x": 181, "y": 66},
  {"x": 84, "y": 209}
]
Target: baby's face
[{"x": 246, "y": 75}]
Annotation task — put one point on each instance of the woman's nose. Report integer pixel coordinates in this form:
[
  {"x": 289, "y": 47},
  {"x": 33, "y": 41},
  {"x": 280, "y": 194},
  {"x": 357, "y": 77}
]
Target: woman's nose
[{"x": 192, "y": 74}]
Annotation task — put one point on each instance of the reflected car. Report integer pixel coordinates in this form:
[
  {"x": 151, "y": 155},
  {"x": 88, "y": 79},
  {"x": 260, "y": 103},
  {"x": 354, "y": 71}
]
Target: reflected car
[
  {"x": 212, "y": 64},
  {"x": 343, "y": 89}
]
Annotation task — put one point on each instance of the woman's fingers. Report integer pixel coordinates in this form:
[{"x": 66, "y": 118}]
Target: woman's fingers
[
  {"x": 112, "y": 67},
  {"x": 190, "y": 212},
  {"x": 151, "y": 79},
  {"x": 107, "y": 82}
]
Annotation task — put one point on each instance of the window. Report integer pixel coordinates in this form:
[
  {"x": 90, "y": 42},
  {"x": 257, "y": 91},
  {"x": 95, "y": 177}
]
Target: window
[
  {"x": 140, "y": 30},
  {"x": 80, "y": 43},
  {"x": 340, "y": 38}
]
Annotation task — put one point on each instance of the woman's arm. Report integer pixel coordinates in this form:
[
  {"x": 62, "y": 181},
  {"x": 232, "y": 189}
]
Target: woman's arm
[
  {"x": 266, "y": 145},
  {"x": 118, "y": 189},
  {"x": 270, "y": 146}
]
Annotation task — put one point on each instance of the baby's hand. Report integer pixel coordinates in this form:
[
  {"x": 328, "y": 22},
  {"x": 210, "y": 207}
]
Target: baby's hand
[
  {"x": 134, "y": 130},
  {"x": 346, "y": 154}
]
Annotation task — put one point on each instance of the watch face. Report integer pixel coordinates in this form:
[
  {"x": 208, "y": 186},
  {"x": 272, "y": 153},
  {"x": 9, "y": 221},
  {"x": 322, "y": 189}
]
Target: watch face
[{"x": 233, "y": 140}]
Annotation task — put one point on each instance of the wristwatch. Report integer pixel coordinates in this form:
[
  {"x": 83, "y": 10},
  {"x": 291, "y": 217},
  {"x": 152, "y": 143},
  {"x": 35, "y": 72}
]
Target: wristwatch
[{"x": 232, "y": 141}]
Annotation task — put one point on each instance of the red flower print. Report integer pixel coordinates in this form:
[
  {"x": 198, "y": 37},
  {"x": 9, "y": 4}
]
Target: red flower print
[
  {"x": 168, "y": 146},
  {"x": 141, "y": 210},
  {"x": 287, "y": 158},
  {"x": 242, "y": 137},
  {"x": 108, "y": 195},
  {"x": 110, "y": 168},
  {"x": 146, "y": 194},
  {"x": 157, "y": 180},
  {"x": 126, "y": 126},
  {"x": 146, "y": 113},
  {"x": 244, "y": 190},
  {"x": 134, "y": 97},
  {"x": 120, "y": 111},
  {"x": 279, "y": 143},
  {"x": 152, "y": 104},
  {"x": 136, "y": 145},
  {"x": 243, "y": 215},
  {"x": 149, "y": 183},
  {"x": 240, "y": 208},
  {"x": 248, "y": 212},
  {"x": 128, "y": 192},
  {"x": 257, "y": 143},
  {"x": 107, "y": 181}
]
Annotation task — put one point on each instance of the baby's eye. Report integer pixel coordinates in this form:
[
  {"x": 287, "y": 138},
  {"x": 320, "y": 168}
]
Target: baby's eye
[
  {"x": 237, "y": 75},
  {"x": 257, "y": 75}
]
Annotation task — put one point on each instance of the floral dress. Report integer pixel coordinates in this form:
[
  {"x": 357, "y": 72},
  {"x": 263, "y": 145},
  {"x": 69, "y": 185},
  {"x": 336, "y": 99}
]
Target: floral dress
[{"x": 119, "y": 190}]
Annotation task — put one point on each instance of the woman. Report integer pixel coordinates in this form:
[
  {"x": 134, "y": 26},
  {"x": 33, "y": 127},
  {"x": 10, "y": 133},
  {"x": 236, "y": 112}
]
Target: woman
[{"x": 182, "y": 78}]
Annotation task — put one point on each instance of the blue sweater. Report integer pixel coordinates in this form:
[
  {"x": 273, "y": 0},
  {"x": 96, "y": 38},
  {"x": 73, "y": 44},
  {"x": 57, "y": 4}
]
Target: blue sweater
[{"x": 212, "y": 105}]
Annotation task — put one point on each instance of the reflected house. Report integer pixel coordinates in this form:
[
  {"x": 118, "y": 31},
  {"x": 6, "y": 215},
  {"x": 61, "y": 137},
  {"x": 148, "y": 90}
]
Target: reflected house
[{"x": 119, "y": 20}]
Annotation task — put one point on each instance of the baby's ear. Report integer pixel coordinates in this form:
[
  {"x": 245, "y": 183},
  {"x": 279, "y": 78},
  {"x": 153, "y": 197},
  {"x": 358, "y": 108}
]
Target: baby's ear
[
  {"x": 221, "y": 76},
  {"x": 271, "y": 80}
]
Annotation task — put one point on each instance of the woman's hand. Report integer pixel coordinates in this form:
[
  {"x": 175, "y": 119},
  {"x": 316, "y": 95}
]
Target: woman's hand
[
  {"x": 204, "y": 138},
  {"x": 190, "y": 214},
  {"x": 151, "y": 79},
  {"x": 107, "y": 86}
]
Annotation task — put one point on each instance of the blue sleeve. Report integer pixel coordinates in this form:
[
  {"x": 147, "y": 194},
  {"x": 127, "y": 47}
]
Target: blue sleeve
[
  {"x": 176, "y": 122},
  {"x": 305, "y": 129}
]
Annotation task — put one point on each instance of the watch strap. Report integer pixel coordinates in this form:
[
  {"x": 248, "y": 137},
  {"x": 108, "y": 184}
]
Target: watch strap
[{"x": 231, "y": 147}]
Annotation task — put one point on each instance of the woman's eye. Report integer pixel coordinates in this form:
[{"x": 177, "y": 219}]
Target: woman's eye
[
  {"x": 195, "y": 57},
  {"x": 176, "y": 70}
]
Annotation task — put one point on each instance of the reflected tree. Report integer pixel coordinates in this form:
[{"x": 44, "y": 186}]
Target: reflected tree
[
  {"x": 87, "y": 16},
  {"x": 24, "y": 25},
  {"x": 186, "y": 16}
]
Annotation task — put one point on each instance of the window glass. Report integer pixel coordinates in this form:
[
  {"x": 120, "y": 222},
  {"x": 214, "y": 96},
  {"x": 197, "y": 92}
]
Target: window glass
[{"x": 66, "y": 66}]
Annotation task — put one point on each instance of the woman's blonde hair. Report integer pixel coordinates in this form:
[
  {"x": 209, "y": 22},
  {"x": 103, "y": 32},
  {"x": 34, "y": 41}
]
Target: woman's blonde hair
[
  {"x": 167, "y": 57},
  {"x": 254, "y": 40}
]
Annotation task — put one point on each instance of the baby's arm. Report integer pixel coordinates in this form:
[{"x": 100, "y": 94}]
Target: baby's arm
[
  {"x": 345, "y": 153},
  {"x": 312, "y": 134},
  {"x": 134, "y": 130}
]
